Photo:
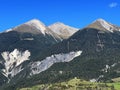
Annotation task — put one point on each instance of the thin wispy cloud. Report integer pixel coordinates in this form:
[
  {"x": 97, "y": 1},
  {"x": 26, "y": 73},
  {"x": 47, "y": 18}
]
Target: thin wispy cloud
[{"x": 113, "y": 4}]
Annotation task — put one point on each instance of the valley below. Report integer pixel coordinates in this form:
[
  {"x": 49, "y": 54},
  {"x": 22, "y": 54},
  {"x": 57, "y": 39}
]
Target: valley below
[{"x": 75, "y": 84}]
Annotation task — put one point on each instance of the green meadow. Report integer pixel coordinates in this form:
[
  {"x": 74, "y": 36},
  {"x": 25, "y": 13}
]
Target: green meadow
[{"x": 75, "y": 84}]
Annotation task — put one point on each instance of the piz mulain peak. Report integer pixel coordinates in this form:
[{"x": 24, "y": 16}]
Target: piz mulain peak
[{"x": 62, "y": 29}]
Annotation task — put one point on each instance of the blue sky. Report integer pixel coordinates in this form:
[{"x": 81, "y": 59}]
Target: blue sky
[{"x": 76, "y": 13}]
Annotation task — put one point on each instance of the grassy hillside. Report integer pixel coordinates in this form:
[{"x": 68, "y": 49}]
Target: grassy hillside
[{"x": 75, "y": 84}]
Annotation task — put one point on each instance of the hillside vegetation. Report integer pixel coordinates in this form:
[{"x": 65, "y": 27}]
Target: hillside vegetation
[{"x": 75, "y": 84}]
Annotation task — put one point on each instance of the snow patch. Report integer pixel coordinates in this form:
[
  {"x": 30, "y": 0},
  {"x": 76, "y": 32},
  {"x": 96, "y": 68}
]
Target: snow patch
[
  {"x": 13, "y": 60},
  {"x": 39, "y": 66},
  {"x": 8, "y": 30}
]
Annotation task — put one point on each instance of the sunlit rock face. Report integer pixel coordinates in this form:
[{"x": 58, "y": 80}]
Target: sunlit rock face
[
  {"x": 13, "y": 60},
  {"x": 63, "y": 30},
  {"x": 103, "y": 25},
  {"x": 39, "y": 66}
]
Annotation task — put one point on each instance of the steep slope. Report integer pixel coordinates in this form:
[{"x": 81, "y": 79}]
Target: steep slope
[
  {"x": 63, "y": 30},
  {"x": 104, "y": 25},
  {"x": 33, "y": 26},
  {"x": 99, "y": 61},
  {"x": 33, "y": 36},
  {"x": 91, "y": 54},
  {"x": 22, "y": 44}
]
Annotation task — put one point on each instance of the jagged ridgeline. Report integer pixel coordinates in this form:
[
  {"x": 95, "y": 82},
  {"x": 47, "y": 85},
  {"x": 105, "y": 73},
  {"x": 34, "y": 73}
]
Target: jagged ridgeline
[{"x": 37, "y": 54}]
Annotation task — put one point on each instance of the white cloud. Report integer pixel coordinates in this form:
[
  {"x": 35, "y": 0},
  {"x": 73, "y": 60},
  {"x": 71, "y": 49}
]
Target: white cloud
[{"x": 113, "y": 5}]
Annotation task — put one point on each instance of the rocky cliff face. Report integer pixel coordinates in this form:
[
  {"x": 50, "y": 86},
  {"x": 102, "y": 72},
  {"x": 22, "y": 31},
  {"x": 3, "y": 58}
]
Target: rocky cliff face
[{"x": 13, "y": 60}]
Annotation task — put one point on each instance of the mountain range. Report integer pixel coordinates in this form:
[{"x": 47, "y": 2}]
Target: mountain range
[{"x": 33, "y": 53}]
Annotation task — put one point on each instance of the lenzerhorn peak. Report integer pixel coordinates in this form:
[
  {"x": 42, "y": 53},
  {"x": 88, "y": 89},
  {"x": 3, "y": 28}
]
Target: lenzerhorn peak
[
  {"x": 38, "y": 24},
  {"x": 34, "y": 21},
  {"x": 33, "y": 26},
  {"x": 62, "y": 29},
  {"x": 101, "y": 24}
]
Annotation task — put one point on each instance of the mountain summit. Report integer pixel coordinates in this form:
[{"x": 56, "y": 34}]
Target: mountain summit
[
  {"x": 38, "y": 24},
  {"x": 33, "y": 26},
  {"x": 62, "y": 29},
  {"x": 101, "y": 24}
]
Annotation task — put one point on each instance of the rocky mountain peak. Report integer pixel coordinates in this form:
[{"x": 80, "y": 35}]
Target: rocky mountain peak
[
  {"x": 62, "y": 29},
  {"x": 38, "y": 24},
  {"x": 101, "y": 24}
]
